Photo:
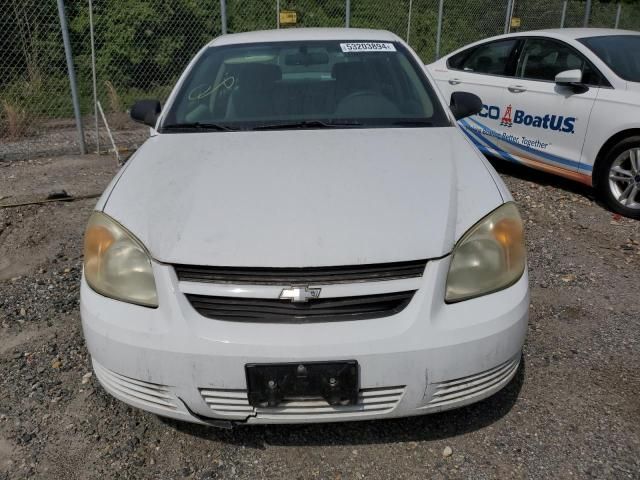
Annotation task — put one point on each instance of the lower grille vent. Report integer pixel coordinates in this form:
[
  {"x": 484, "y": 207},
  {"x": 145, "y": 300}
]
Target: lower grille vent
[
  {"x": 235, "y": 403},
  {"x": 150, "y": 394},
  {"x": 466, "y": 388}
]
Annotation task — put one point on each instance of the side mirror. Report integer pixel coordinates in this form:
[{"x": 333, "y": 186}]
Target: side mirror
[
  {"x": 571, "y": 79},
  {"x": 146, "y": 111},
  {"x": 465, "y": 104}
]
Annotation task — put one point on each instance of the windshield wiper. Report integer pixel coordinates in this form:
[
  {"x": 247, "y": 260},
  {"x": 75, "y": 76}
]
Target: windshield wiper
[
  {"x": 413, "y": 123},
  {"x": 308, "y": 124},
  {"x": 198, "y": 127}
]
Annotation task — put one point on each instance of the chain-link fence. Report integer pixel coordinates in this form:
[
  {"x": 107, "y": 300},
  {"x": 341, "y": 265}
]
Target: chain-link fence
[
  {"x": 34, "y": 89},
  {"x": 141, "y": 48},
  {"x": 123, "y": 51}
]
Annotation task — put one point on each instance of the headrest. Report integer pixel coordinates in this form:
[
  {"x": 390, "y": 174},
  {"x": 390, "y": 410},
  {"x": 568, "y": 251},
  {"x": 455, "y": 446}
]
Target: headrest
[
  {"x": 348, "y": 70},
  {"x": 484, "y": 62},
  {"x": 306, "y": 59},
  {"x": 572, "y": 62},
  {"x": 533, "y": 61},
  {"x": 259, "y": 76}
]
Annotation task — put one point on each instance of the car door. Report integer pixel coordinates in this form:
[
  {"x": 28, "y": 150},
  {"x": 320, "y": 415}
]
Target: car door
[
  {"x": 548, "y": 122},
  {"x": 485, "y": 70}
]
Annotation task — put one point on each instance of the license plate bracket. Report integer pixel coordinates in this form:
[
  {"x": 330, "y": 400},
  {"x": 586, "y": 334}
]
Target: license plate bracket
[{"x": 270, "y": 384}]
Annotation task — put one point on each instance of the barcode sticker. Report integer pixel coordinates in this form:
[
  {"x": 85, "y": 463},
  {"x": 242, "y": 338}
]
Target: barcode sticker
[{"x": 367, "y": 47}]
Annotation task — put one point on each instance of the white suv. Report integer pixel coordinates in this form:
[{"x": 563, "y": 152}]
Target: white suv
[
  {"x": 307, "y": 237},
  {"x": 563, "y": 101}
]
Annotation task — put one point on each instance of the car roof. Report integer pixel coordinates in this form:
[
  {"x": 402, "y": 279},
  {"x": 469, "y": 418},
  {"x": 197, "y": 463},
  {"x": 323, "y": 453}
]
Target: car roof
[
  {"x": 557, "y": 33},
  {"x": 574, "y": 33},
  {"x": 295, "y": 34}
]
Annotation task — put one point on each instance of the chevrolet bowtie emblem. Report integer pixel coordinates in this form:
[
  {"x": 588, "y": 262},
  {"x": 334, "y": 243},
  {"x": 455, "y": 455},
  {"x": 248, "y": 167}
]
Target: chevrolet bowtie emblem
[{"x": 300, "y": 294}]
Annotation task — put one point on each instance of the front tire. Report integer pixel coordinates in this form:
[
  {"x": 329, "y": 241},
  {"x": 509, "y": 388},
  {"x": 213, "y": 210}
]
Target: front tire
[{"x": 618, "y": 178}]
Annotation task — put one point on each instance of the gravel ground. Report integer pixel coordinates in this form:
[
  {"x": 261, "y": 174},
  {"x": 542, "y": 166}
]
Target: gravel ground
[
  {"x": 60, "y": 137},
  {"x": 573, "y": 410}
]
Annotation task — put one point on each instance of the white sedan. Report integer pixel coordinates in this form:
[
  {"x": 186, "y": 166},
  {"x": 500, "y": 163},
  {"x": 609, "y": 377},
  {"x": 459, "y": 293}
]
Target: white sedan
[
  {"x": 306, "y": 237},
  {"x": 564, "y": 101}
]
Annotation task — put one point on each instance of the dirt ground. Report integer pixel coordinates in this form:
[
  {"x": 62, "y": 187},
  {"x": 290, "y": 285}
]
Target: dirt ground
[
  {"x": 47, "y": 137},
  {"x": 573, "y": 410}
]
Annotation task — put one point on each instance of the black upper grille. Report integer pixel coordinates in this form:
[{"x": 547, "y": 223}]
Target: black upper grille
[
  {"x": 318, "y": 310},
  {"x": 305, "y": 276}
]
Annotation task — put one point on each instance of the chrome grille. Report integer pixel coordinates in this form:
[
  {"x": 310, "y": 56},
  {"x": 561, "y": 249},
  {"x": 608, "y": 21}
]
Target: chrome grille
[
  {"x": 235, "y": 404},
  {"x": 318, "y": 310},
  {"x": 301, "y": 276}
]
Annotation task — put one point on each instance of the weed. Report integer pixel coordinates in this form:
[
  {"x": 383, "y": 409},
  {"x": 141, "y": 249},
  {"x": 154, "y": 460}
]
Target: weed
[
  {"x": 16, "y": 121},
  {"x": 115, "y": 102}
]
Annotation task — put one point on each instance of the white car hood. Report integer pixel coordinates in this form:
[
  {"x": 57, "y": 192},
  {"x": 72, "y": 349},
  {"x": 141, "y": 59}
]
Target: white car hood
[{"x": 298, "y": 198}]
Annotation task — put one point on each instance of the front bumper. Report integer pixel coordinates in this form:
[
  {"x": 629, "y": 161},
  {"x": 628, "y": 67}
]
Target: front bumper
[{"x": 429, "y": 357}]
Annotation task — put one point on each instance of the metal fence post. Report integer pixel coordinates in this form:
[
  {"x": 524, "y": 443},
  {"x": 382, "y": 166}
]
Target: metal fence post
[
  {"x": 347, "y": 13},
  {"x": 564, "y": 13},
  {"x": 93, "y": 75},
  {"x": 587, "y": 13},
  {"x": 409, "y": 20},
  {"x": 72, "y": 74},
  {"x": 618, "y": 12},
  {"x": 223, "y": 16},
  {"x": 439, "y": 30},
  {"x": 278, "y": 14},
  {"x": 507, "y": 20}
]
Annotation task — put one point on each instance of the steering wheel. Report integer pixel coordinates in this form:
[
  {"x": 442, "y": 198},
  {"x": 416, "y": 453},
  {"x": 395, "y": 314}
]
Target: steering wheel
[
  {"x": 361, "y": 93},
  {"x": 366, "y": 102}
]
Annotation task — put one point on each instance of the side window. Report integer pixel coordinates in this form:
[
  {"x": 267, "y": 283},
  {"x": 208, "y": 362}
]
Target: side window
[
  {"x": 490, "y": 58},
  {"x": 543, "y": 59}
]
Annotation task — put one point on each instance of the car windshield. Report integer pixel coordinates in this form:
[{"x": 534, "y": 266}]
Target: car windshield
[
  {"x": 621, "y": 53},
  {"x": 310, "y": 84}
]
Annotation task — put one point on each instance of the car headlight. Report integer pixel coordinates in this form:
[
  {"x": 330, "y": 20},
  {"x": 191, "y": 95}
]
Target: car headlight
[
  {"x": 116, "y": 264},
  {"x": 491, "y": 256}
]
